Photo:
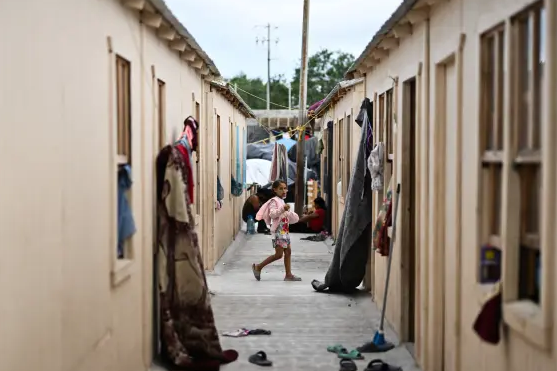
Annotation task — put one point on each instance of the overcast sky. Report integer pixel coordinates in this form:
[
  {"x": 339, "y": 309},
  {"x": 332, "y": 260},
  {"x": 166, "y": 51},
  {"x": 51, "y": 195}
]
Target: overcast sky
[{"x": 227, "y": 31}]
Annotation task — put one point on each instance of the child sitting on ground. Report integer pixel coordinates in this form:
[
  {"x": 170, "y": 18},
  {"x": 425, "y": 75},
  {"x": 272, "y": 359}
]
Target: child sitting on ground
[
  {"x": 312, "y": 222},
  {"x": 278, "y": 214}
]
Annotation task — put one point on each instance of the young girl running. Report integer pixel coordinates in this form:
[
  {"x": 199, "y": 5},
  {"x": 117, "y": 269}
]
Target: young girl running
[{"x": 278, "y": 214}]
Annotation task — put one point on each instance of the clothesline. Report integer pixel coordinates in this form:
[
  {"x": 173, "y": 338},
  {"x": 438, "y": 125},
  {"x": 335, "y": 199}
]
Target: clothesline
[{"x": 299, "y": 128}]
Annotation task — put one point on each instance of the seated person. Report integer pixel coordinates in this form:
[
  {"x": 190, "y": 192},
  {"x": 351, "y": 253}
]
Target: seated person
[
  {"x": 311, "y": 222},
  {"x": 251, "y": 206}
]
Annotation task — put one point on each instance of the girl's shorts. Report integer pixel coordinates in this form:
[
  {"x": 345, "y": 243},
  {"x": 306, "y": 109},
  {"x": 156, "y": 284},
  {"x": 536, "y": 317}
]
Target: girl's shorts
[{"x": 277, "y": 242}]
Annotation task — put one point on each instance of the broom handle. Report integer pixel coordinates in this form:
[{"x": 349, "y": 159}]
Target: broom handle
[{"x": 389, "y": 259}]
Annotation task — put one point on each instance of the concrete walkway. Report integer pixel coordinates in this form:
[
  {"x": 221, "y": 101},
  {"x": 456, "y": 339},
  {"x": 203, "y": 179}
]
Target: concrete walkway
[{"x": 303, "y": 322}]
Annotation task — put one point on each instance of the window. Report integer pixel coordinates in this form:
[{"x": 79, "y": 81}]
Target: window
[
  {"x": 232, "y": 155},
  {"x": 389, "y": 123},
  {"x": 197, "y": 165},
  {"x": 340, "y": 132},
  {"x": 491, "y": 135},
  {"x": 528, "y": 62},
  {"x": 381, "y": 121},
  {"x": 347, "y": 162},
  {"x": 161, "y": 112},
  {"x": 218, "y": 138},
  {"x": 381, "y": 135},
  {"x": 123, "y": 136},
  {"x": 123, "y": 107}
]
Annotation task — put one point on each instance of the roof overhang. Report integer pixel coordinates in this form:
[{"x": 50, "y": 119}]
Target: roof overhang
[
  {"x": 336, "y": 94},
  {"x": 156, "y": 15},
  {"x": 233, "y": 97},
  {"x": 400, "y": 25}
]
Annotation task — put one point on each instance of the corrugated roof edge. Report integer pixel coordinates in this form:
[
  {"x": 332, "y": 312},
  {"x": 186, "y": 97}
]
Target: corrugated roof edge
[
  {"x": 398, "y": 14},
  {"x": 344, "y": 84},
  {"x": 224, "y": 85},
  {"x": 161, "y": 6}
]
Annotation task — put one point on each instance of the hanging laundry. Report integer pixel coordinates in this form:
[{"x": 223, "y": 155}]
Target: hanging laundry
[
  {"x": 186, "y": 316},
  {"x": 220, "y": 190},
  {"x": 126, "y": 223},
  {"x": 283, "y": 162},
  {"x": 488, "y": 323},
  {"x": 380, "y": 232},
  {"x": 274, "y": 174},
  {"x": 236, "y": 188},
  {"x": 375, "y": 166}
]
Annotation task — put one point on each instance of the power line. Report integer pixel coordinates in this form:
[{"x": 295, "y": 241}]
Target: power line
[{"x": 263, "y": 99}]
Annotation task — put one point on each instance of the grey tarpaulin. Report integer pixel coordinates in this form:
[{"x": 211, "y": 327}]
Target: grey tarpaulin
[
  {"x": 255, "y": 132},
  {"x": 310, "y": 148},
  {"x": 348, "y": 267},
  {"x": 259, "y": 150},
  {"x": 265, "y": 152}
]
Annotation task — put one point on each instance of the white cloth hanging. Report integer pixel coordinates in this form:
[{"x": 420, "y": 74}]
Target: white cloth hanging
[{"x": 375, "y": 166}]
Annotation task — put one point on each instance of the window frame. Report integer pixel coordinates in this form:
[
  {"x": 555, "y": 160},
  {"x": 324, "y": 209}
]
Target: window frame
[
  {"x": 161, "y": 112},
  {"x": 530, "y": 320},
  {"x": 218, "y": 137},
  {"x": 492, "y": 76},
  {"x": 347, "y": 152},
  {"x": 121, "y": 111},
  {"x": 197, "y": 156}
]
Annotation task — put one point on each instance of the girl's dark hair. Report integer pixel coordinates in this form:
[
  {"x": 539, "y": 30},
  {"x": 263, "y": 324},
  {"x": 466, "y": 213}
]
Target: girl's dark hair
[
  {"x": 321, "y": 203},
  {"x": 277, "y": 183}
]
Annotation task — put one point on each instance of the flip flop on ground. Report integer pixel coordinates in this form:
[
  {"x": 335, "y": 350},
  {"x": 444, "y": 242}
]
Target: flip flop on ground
[
  {"x": 353, "y": 354},
  {"x": 256, "y": 273},
  {"x": 335, "y": 348},
  {"x": 292, "y": 278},
  {"x": 260, "y": 359},
  {"x": 379, "y": 365},
  {"x": 347, "y": 365}
]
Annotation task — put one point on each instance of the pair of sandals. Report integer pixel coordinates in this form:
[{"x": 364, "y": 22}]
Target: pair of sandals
[
  {"x": 257, "y": 275},
  {"x": 375, "y": 365}
]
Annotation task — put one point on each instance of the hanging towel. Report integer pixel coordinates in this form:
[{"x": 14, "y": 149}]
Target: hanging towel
[
  {"x": 273, "y": 175},
  {"x": 126, "y": 223},
  {"x": 220, "y": 190},
  {"x": 283, "y": 161},
  {"x": 375, "y": 166},
  {"x": 488, "y": 322}
]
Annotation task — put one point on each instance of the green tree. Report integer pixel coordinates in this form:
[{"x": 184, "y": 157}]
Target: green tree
[
  {"x": 254, "y": 91},
  {"x": 325, "y": 69},
  {"x": 249, "y": 89}
]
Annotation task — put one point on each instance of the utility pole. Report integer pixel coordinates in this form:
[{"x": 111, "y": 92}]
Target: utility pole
[
  {"x": 289, "y": 102},
  {"x": 268, "y": 41},
  {"x": 268, "y": 66},
  {"x": 300, "y": 150}
]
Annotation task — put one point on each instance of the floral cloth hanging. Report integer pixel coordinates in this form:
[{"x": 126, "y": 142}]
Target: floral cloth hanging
[{"x": 383, "y": 222}]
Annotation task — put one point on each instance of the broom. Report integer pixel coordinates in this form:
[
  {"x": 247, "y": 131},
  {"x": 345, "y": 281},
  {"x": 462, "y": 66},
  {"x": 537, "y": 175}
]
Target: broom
[{"x": 379, "y": 344}]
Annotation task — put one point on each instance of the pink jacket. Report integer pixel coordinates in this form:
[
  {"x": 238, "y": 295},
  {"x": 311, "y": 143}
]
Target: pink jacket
[{"x": 273, "y": 210}]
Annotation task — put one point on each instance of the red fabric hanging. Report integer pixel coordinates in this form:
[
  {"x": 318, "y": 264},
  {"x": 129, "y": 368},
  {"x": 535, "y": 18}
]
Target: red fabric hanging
[{"x": 189, "y": 170}]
